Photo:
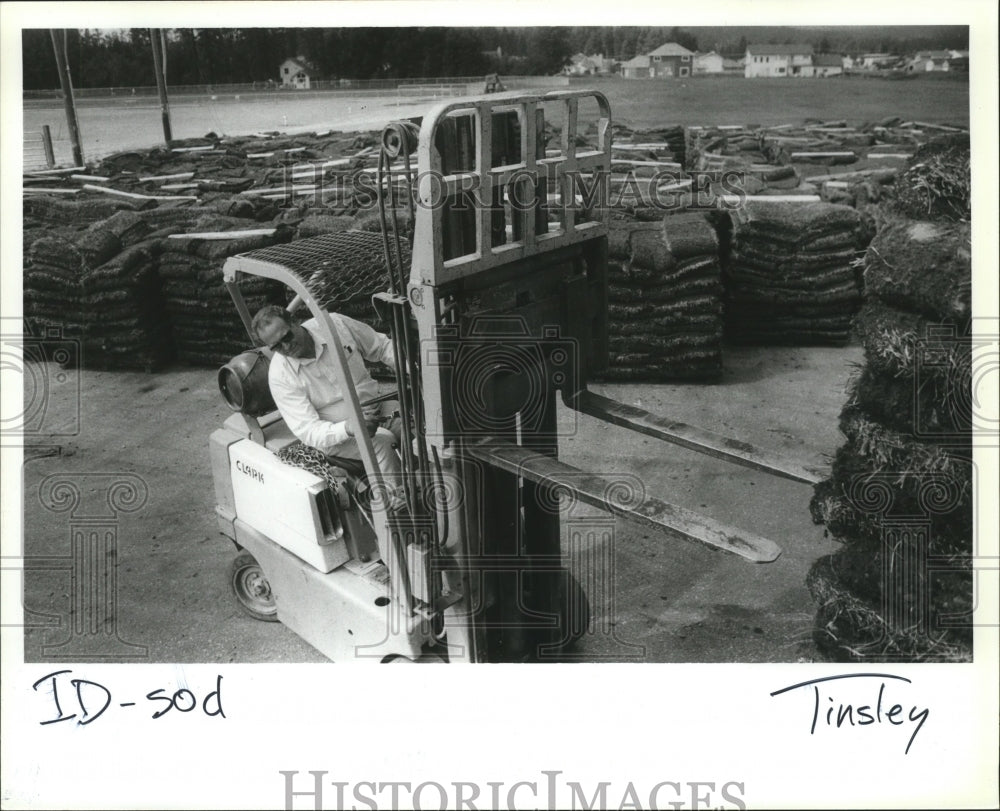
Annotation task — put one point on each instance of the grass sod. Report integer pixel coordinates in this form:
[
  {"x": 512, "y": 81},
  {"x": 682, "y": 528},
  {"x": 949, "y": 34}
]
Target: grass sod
[
  {"x": 677, "y": 293},
  {"x": 930, "y": 405},
  {"x": 660, "y": 346},
  {"x": 908, "y": 345},
  {"x": 853, "y": 628},
  {"x": 709, "y": 322},
  {"x": 754, "y": 276},
  {"x": 923, "y": 267},
  {"x": 880, "y": 475},
  {"x": 938, "y": 183},
  {"x": 629, "y": 275},
  {"x": 794, "y": 225}
]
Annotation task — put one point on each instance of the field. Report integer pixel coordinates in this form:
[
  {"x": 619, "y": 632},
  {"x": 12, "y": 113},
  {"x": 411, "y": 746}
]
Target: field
[
  {"x": 109, "y": 125},
  {"x": 731, "y": 100}
]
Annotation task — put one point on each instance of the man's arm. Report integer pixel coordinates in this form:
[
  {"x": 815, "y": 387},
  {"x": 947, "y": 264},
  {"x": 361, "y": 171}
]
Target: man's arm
[
  {"x": 300, "y": 416},
  {"x": 373, "y": 345}
]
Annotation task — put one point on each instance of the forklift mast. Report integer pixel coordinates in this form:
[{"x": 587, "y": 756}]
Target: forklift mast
[{"x": 507, "y": 289}]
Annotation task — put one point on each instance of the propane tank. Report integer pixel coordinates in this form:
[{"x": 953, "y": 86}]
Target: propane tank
[{"x": 243, "y": 383}]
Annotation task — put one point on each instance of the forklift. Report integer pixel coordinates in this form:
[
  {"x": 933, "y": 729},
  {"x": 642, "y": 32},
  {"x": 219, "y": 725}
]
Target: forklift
[{"x": 499, "y": 316}]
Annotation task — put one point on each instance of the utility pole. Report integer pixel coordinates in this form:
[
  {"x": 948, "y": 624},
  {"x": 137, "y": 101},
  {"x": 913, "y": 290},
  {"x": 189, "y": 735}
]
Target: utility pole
[
  {"x": 59, "y": 47},
  {"x": 158, "y": 41}
]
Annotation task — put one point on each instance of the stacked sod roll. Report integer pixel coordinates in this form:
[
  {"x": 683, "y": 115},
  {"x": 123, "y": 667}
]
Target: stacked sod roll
[
  {"x": 100, "y": 287},
  {"x": 206, "y": 327},
  {"x": 789, "y": 276},
  {"x": 900, "y": 497},
  {"x": 664, "y": 300}
]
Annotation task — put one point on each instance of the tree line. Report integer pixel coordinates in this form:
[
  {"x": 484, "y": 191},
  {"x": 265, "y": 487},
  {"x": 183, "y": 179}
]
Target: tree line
[
  {"x": 243, "y": 55},
  {"x": 123, "y": 58}
]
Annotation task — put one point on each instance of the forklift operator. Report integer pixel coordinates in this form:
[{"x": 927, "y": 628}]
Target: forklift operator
[{"x": 303, "y": 382}]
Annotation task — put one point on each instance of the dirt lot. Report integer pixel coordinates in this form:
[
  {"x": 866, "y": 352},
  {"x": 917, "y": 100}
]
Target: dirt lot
[{"x": 671, "y": 601}]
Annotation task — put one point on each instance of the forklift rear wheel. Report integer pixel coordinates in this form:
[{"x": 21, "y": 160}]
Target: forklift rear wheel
[{"x": 252, "y": 591}]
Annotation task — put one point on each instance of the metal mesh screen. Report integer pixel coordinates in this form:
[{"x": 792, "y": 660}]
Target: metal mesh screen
[{"x": 342, "y": 270}]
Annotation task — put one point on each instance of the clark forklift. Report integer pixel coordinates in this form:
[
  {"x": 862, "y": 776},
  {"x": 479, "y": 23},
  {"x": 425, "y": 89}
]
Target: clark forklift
[{"x": 501, "y": 313}]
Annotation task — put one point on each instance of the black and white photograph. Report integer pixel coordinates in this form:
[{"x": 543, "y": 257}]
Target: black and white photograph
[{"x": 643, "y": 358}]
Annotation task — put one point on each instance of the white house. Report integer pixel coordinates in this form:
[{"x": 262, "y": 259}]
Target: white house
[
  {"x": 296, "y": 72},
  {"x": 580, "y": 65},
  {"x": 827, "y": 65},
  {"x": 733, "y": 66},
  {"x": 875, "y": 61},
  {"x": 583, "y": 65},
  {"x": 778, "y": 61},
  {"x": 637, "y": 68},
  {"x": 927, "y": 61},
  {"x": 710, "y": 62}
]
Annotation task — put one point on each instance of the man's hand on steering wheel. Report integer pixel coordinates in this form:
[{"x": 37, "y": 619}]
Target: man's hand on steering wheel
[{"x": 371, "y": 426}]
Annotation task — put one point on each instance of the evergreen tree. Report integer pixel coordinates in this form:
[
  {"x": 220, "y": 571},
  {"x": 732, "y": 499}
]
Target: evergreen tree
[{"x": 683, "y": 38}]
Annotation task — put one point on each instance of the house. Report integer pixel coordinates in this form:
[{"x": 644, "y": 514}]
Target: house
[
  {"x": 671, "y": 60},
  {"x": 296, "y": 72},
  {"x": 637, "y": 68},
  {"x": 876, "y": 61},
  {"x": 827, "y": 65},
  {"x": 668, "y": 61},
  {"x": 580, "y": 65},
  {"x": 710, "y": 62},
  {"x": 778, "y": 61},
  {"x": 605, "y": 64},
  {"x": 733, "y": 66},
  {"x": 927, "y": 61},
  {"x": 959, "y": 61},
  {"x": 583, "y": 65}
]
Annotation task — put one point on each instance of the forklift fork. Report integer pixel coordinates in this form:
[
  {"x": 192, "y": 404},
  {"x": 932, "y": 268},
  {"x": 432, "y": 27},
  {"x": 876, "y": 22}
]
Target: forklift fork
[
  {"x": 688, "y": 436},
  {"x": 598, "y": 491}
]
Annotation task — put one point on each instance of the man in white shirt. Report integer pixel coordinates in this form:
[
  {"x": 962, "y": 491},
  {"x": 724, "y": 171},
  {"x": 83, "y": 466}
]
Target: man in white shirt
[{"x": 303, "y": 381}]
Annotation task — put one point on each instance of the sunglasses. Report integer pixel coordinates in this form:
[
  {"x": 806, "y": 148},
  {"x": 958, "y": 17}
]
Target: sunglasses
[{"x": 283, "y": 340}]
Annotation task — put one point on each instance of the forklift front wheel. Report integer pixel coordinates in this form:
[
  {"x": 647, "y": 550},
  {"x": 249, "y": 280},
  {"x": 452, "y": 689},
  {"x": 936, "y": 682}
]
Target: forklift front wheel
[{"x": 252, "y": 591}]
